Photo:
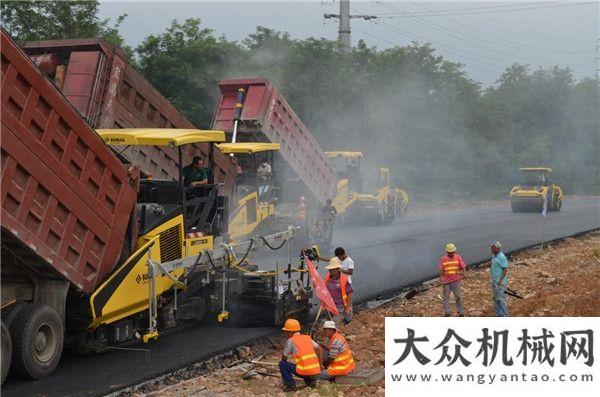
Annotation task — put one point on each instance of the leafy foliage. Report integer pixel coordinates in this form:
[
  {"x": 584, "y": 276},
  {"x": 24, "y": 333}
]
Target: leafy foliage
[
  {"x": 48, "y": 20},
  {"x": 184, "y": 64}
]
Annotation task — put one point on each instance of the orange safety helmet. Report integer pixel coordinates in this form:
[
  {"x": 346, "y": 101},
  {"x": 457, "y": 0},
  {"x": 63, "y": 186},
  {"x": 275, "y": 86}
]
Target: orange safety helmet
[{"x": 292, "y": 325}]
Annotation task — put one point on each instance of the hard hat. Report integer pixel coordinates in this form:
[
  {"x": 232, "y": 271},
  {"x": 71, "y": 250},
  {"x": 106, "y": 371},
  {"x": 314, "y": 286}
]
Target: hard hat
[
  {"x": 450, "y": 247},
  {"x": 496, "y": 244},
  {"x": 334, "y": 263},
  {"x": 292, "y": 325},
  {"x": 302, "y": 198},
  {"x": 329, "y": 325}
]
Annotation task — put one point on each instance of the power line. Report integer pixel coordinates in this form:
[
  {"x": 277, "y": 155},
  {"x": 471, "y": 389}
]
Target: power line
[
  {"x": 503, "y": 40},
  {"x": 396, "y": 44},
  {"x": 502, "y": 5},
  {"x": 443, "y": 46},
  {"x": 504, "y": 25},
  {"x": 445, "y": 30},
  {"x": 482, "y": 11}
]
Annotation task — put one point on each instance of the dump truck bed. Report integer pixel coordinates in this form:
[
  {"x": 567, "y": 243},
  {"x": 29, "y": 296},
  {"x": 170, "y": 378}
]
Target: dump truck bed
[
  {"x": 110, "y": 93},
  {"x": 66, "y": 198},
  {"x": 267, "y": 117}
]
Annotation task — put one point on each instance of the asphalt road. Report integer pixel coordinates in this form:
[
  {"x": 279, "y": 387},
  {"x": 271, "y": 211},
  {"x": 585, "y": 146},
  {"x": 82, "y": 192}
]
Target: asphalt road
[{"x": 387, "y": 258}]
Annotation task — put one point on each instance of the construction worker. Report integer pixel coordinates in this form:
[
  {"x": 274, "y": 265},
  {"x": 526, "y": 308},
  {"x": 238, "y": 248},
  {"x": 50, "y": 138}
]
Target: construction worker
[
  {"x": 301, "y": 210},
  {"x": 337, "y": 356},
  {"x": 499, "y": 279},
  {"x": 263, "y": 174},
  {"x": 301, "y": 350},
  {"x": 452, "y": 271},
  {"x": 328, "y": 211},
  {"x": 340, "y": 290},
  {"x": 195, "y": 174}
]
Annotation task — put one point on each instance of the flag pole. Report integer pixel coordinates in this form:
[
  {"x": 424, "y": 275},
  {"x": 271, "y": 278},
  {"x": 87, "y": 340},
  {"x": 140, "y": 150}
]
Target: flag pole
[{"x": 312, "y": 329}]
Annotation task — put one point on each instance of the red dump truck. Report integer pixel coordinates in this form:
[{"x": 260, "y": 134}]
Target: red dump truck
[
  {"x": 67, "y": 205},
  {"x": 109, "y": 93}
]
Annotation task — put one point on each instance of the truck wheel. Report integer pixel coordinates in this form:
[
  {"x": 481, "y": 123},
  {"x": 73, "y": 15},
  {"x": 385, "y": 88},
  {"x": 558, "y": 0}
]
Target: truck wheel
[
  {"x": 6, "y": 352},
  {"x": 37, "y": 333},
  {"x": 9, "y": 314}
]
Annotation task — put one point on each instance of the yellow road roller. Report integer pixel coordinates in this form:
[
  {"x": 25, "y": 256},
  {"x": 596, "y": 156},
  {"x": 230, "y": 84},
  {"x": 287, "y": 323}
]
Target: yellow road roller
[{"x": 534, "y": 190}]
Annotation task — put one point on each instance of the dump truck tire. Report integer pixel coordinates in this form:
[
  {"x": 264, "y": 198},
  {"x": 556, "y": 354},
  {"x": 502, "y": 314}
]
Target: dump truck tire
[
  {"x": 6, "y": 352},
  {"x": 9, "y": 314},
  {"x": 37, "y": 333}
]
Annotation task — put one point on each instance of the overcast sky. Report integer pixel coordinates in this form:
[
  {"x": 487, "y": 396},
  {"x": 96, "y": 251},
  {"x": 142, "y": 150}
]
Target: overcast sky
[{"x": 486, "y": 36}]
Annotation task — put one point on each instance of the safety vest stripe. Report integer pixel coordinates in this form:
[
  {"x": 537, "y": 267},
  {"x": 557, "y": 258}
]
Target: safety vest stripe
[
  {"x": 342, "y": 357},
  {"x": 342, "y": 366},
  {"x": 306, "y": 356},
  {"x": 450, "y": 267},
  {"x": 304, "y": 367}
]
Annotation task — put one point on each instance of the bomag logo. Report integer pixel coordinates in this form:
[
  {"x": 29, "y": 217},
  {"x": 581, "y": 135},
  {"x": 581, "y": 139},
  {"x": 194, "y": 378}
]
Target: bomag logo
[
  {"x": 114, "y": 140},
  {"x": 201, "y": 241},
  {"x": 141, "y": 278}
]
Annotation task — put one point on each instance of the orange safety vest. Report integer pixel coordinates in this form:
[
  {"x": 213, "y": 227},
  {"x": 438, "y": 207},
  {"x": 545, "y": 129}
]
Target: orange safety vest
[
  {"x": 343, "y": 364},
  {"x": 343, "y": 281},
  {"x": 450, "y": 266},
  {"x": 306, "y": 360}
]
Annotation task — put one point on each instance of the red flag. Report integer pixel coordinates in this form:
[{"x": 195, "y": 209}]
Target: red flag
[{"x": 321, "y": 290}]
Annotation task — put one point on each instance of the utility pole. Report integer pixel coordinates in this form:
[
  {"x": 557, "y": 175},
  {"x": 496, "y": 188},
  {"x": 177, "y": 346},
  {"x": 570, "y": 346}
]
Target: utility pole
[
  {"x": 344, "y": 31},
  {"x": 344, "y": 17}
]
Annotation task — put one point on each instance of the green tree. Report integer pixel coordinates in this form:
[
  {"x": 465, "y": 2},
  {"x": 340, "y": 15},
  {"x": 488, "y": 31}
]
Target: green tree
[
  {"x": 184, "y": 64},
  {"x": 48, "y": 20}
]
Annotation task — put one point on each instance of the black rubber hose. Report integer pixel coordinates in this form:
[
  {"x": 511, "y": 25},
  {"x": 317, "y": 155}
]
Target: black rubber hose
[
  {"x": 212, "y": 264},
  {"x": 247, "y": 253},
  {"x": 270, "y": 246}
]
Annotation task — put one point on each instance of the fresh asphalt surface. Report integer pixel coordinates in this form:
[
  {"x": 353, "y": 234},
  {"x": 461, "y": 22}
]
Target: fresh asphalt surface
[{"x": 387, "y": 258}]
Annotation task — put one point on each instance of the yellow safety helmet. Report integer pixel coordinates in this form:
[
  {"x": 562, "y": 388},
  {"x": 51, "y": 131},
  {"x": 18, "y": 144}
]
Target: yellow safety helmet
[
  {"x": 292, "y": 325},
  {"x": 450, "y": 247}
]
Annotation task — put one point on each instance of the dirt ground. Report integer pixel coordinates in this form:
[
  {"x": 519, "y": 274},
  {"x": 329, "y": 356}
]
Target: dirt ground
[{"x": 561, "y": 280}]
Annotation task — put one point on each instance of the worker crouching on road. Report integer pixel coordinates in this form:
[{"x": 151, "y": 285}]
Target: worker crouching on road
[
  {"x": 301, "y": 349},
  {"x": 340, "y": 289},
  {"x": 499, "y": 279},
  {"x": 337, "y": 356},
  {"x": 452, "y": 271}
]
